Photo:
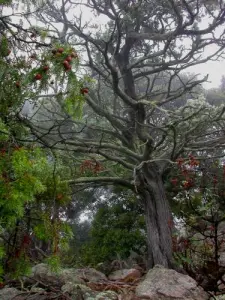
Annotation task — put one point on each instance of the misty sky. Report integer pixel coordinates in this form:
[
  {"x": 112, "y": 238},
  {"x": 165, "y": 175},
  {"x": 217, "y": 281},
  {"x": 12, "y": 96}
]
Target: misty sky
[{"x": 215, "y": 69}]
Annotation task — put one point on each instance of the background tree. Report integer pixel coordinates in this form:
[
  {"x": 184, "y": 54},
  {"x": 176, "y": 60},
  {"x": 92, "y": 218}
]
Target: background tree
[
  {"x": 117, "y": 230},
  {"x": 136, "y": 136}
]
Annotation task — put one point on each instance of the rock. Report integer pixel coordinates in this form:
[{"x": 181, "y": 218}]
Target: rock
[
  {"x": 82, "y": 292},
  {"x": 71, "y": 275},
  {"x": 37, "y": 290},
  {"x": 167, "y": 284},
  {"x": 77, "y": 291},
  {"x": 126, "y": 275},
  {"x": 43, "y": 273},
  {"x": 106, "y": 295},
  {"x": 72, "y": 288},
  {"x": 90, "y": 274},
  {"x": 8, "y": 293}
]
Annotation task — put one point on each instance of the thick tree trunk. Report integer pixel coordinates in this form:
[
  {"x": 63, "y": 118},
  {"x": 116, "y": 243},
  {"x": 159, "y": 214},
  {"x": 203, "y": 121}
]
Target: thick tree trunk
[{"x": 158, "y": 220}]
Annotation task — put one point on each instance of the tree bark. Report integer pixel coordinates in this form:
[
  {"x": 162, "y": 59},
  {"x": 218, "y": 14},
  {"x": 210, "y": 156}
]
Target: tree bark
[{"x": 158, "y": 219}]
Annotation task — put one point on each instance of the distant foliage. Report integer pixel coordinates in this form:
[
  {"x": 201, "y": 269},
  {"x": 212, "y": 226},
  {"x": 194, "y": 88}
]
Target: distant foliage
[{"x": 117, "y": 230}]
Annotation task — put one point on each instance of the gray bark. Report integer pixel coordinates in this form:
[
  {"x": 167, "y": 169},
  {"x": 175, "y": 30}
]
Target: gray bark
[{"x": 158, "y": 218}]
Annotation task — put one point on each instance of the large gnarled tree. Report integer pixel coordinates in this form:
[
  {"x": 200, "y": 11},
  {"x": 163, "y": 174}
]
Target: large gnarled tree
[{"x": 133, "y": 116}]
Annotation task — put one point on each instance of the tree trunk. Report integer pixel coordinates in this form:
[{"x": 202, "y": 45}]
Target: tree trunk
[{"x": 158, "y": 219}]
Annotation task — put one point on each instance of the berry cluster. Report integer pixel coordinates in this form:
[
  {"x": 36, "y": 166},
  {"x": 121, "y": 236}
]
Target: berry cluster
[{"x": 91, "y": 165}]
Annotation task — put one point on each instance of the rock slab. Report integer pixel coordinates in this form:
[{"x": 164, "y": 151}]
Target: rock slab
[{"x": 167, "y": 284}]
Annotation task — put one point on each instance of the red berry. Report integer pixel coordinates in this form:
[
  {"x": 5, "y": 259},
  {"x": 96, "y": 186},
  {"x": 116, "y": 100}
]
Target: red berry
[
  {"x": 84, "y": 91},
  {"x": 26, "y": 240},
  {"x": 68, "y": 68},
  {"x": 66, "y": 63},
  {"x": 60, "y": 50},
  {"x": 8, "y": 52},
  {"x": 180, "y": 161},
  {"x": 174, "y": 181},
  {"x": 59, "y": 196},
  {"x": 45, "y": 68},
  {"x": 188, "y": 183},
  {"x": 38, "y": 76},
  {"x": 17, "y": 84},
  {"x": 69, "y": 58},
  {"x": 3, "y": 151}
]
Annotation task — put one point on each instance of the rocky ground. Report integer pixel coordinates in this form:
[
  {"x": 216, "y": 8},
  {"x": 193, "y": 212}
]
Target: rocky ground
[{"x": 89, "y": 284}]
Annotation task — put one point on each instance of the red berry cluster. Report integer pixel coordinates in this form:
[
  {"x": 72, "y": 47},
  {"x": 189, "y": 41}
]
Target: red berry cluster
[
  {"x": 67, "y": 58},
  {"x": 91, "y": 165},
  {"x": 44, "y": 69},
  {"x": 84, "y": 91},
  {"x": 186, "y": 172}
]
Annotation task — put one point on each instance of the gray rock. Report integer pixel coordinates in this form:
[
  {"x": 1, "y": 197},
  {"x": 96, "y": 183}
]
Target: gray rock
[
  {"x": 43, "y": 273},
  {"x": 71, "y": 275},
  {"x": 166, "y": 284},
  {"x": 106, "y": 295},
  {"x": 72, "y": 288},
  {"x": 8, "y": 293},
  {"x": 90, "y": 274},
  {"x": 80, "y": 291},
  {"x": 127, "y": 275},
  {"x": 37, "y": 289}
]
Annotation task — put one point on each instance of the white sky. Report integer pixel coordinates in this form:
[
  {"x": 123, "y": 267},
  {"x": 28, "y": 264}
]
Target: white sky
[{"x": 215, "y": 69}]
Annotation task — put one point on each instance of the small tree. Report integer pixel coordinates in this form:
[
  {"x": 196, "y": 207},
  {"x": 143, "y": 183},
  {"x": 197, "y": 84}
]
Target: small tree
[
  {"x": 197, "y": 190},
  {"x": 33, "y": 184}
]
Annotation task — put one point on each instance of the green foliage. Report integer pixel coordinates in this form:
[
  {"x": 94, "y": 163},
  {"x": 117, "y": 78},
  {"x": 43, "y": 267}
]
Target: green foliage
[
  {"x": 4, "y": 47},
  {"x": 4, "y": 131},
  {"x": 33, "y": 189},
  {"x": 5, "y": 2},
  {"x": 54, "y": 263},
  {"x": 116, "y": 230},
  {"x": 21, "y": 179},
  {"x": 20, "y": 267}
]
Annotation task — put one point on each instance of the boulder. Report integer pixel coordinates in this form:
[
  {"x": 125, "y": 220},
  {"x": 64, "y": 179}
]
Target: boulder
[
  {"x": 71, "y": 275},
  {"x": 82, "y": 292},
  {"x": 43, "y": 273},
  {"x": 166, "y": 284},
  {"x": 8, "y": 293},
  {"x": 90, "y": 274},
  {"x": 77, "y": 291},
  {"x": 125, "y": 275}
]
